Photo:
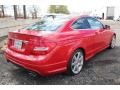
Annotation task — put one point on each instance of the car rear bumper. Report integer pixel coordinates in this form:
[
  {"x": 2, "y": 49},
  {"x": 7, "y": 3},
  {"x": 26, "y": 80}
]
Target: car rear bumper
[{"x": 35, "y": 63}]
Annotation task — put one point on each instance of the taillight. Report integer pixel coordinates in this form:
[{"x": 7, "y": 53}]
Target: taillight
[{"x": 43, "y": 48}]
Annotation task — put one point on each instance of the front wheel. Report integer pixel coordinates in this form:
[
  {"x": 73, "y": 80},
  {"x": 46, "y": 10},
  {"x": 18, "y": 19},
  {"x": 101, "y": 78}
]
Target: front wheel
[
  {"x": 113, "y": 42},
  {"x": 76, "y": 62}
]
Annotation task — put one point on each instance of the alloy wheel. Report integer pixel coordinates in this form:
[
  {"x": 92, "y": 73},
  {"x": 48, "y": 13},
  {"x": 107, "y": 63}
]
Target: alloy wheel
[
  {"x": 77, "y": 62},
  {"x": 113, "y": 42}
]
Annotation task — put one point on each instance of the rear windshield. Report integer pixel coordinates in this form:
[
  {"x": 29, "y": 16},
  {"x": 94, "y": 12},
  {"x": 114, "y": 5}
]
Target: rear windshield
[{"x": 47, "y": 25}]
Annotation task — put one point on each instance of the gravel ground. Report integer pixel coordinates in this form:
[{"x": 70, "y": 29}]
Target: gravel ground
[
  {"x": 103, "y": 68},
  {"x": 9, "y": 24}
]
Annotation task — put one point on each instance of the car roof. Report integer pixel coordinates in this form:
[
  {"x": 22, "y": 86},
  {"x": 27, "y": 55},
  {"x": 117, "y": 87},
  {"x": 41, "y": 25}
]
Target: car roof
[{"x": 70, "y": 17}]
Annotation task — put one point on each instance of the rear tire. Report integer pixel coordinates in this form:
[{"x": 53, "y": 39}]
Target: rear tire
[
  {"x": 76, "y": 63},
  {"x": 113, "y": 42}
]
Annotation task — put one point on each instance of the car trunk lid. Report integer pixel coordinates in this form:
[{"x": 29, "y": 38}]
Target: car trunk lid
[{"x": 24, "y": 41}]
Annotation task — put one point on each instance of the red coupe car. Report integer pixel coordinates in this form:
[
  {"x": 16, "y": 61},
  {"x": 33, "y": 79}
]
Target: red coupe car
[{"x": 61, "y": 45}]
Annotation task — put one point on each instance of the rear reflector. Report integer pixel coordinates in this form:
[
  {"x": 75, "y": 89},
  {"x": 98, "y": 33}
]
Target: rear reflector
[{"x": 41, "y": 48}]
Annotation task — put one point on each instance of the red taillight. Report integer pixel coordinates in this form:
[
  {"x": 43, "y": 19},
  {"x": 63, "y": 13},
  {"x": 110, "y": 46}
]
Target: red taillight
[{"x": 43, "y": 48}]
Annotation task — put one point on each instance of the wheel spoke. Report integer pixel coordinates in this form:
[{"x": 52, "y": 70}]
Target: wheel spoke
[
  {"x": 80, "y": 58},
  {"x": 74, "y": 68},
  {"x": 75, "y": 58},
  {"x": 78, "y": 55},
  {"x": 73, "y": 63}
]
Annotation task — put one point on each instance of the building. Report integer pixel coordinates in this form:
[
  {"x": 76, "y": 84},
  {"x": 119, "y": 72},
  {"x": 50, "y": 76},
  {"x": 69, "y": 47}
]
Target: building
[{"x": 108, "y": 12}]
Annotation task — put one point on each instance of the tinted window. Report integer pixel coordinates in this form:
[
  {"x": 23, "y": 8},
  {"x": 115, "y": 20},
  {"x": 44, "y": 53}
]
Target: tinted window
[
  {"x": 81, "y": 24},
  {"x": 94, "y": 24},
  {"x": 47, "y": 25}
]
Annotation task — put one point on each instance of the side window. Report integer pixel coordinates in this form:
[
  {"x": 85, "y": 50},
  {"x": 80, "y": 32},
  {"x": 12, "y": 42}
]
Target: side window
[
  {"x": 81, "y": 24},
  {"x": 94, "y": 24}
]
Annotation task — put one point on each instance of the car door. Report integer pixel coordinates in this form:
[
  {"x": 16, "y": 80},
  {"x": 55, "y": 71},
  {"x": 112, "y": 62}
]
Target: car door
[
  {"x": 99, "y": 33},
  {"x": 82, "y": 28},
  {"x": 108, "y": 36}
]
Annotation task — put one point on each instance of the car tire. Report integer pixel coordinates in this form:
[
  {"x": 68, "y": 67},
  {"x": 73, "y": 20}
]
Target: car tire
[
  {"x": 76, "y": 63},
  {"x": 113, "y": 42}
]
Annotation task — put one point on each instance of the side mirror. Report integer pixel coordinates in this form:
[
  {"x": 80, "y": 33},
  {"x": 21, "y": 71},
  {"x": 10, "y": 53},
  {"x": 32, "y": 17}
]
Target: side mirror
[{"x": 107, "y": 27}]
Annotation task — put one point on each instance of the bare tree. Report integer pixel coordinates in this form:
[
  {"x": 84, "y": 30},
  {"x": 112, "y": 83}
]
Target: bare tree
[
  {"x": 24, "y": 11},
  {"x": 2, "y": 13},
  {"x": 15, "y": 11},
  {"x": 2, "y": 7},
  {"x": 19, "y": 12},
  {"x": 34, "y": 12}
]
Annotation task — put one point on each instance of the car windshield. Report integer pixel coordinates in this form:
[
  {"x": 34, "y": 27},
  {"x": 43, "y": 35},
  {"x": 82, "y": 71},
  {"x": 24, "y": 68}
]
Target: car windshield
[{"x": 47, "y": 25}]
